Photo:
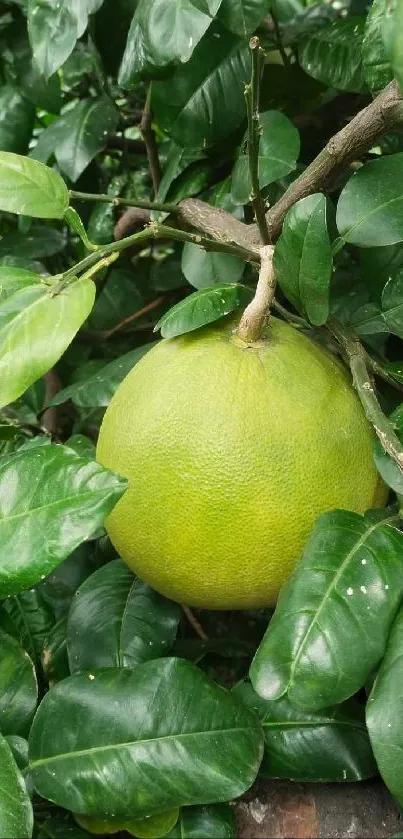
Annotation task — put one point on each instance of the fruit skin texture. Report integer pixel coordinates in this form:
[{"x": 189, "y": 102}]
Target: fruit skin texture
[{"x": 231, "y": 454}]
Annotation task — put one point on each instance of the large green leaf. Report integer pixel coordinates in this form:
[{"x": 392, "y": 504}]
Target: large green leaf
[
  {"x": 17, "y": 116},
  {"x": 97, "y": 390},
  {"x": 377, "y": 69},
  {"x": 303, "y": 258},
  {"x": 29, "y": 188},
  {"x": 54, "y": 658},
  {"x": 243, "y": 16},
  {"x": 36, "y": 327},
  {"x": 210, "y": 822},
  {"x": 41, "y": 241},
  {"x": 53, "y": 31},
  {"x": 144, "y": 741},
  {"x": 278, "y": 153},
  {"x": 204, "y": 99},
  {"x": 16, "y": 817},
  {"x": 14, "y": 279},
  {"x": 332, "y": 54},
  {"x": 31, "y": 620},
  {"x": 59, "y": 827},
  {"x": 202, "y": 307},
  {"x": 116, "y": 620},
  {"x": 384, "y": 713},
  {"x": 325, "y": 745},
  {"x": 393, "y": 37},
  {"x": 333, "y": 616},
  {"x": 82, "y": 133},
  {"x": 372, "y": 319},
  {"x": 370, "y": 207},
  {"x": 163, "y": 33},
  {"x": 206, "y": 268},
  {"x": 43, "y": 521},
  {"x": 59, "y": 587},
  {"x": 18, "y": 687}
]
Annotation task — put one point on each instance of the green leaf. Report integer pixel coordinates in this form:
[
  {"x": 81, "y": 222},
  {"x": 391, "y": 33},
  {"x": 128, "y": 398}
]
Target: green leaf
[
  {"x": 32, "y": 619},
  {"x": 243, "y": 16},
  {"x": 130, "y": 726},
  {"x": 393, "y": 37},
  {"x": 17, "y": 117},
  {"x": 303, "y": 258},
  {"x": 371, "y": 319},
  {"x": 332, "y": 54},
  {"x": 370, "y": 207},
  {"x": 207, "y": 268},
  {"x": 278, "y": 153},
  {"x": 60, "y": 586},
  {"x": 384, "y": 713},
  {"x": 52, "y": 30},
  {"x": 116, "y": 620},
  {"x": 210, "y": 822},
  {"x": 41, "y": 241},
  {"x": 163, "y": 33},
  {"x": 14, "y": 279},
  {"x": 326, "y": 745},
  {"x": 43, "y": 521},
  {"x": 82, "y": 133},
  {"x": 18, "y": 687},
  {"x": 333, "y": 616},
  {"x": 151, "y": 827},
  {"x": 16, "y": 817},
  {"x": 387, "y": 467},
  {"x": 202, "y": 307},
  {"x": 377, "y": 69},
  {"x": 97, "y": 390},
  {"x": 189, "y": 106},
  {"x": 19, "y": 750},
  {"x": 29, "y": 188},
  {"x": 54, "y": 654},
  {"x": 118, "y": 298}
]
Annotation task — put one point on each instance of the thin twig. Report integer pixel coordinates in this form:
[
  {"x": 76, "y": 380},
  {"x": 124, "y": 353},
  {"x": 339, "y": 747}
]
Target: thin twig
[
  {"x": 380, "y": 371},
  {"x": 357, "y": 360},
  {"x": 281, "y": 49},
  {"x": 296, "y": 320},
  {"x": 252, "y": 107},
  {"x": 254, "y": 316},
  {"x": 149, "y": 307},
  {"x": 195, "y": 623},
  {"x": 148, "y": 136},
  {"x": 124, "y": 202}
]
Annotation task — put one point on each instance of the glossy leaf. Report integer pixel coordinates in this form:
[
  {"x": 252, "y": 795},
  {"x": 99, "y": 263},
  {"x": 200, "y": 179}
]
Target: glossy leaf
[
  {"x": 393, "y": 37},
  {"x": 36, "y": 327},
  {"x": 17, "y": 117},
  {"x": 370, "y": 207},
  {"x": 332, "y": 54},
  {"x": 54, "y": 654},
  {"x": 145, "y": 740},
  {"x": 29, "y": 188},
  {"x": 202, "y": 307},
  {"x": 32, "y": 619},
  {"x": 59, "y": 587},
  {"x": 14, "y": 279},
  {"x": 384, "y": 713},
  {"x": 190, "y": 105},
  {"x": 333, "y": 616},
  {"x": 52, "y": 29},
  {"x": 377, "y": 69},
  {"x": 82, "y": 133},
  {"x": 16, "y": 817},
  {"x": 207, "y": 268},
  {"x": 19, "y": 750},
  {"x": 210, "y": 822},
  {"x": 18, "y": 687},
  {"x": 43, "y": 521},
  {"x": 97, "y": 390},
  {"x": 372, "y": 319},
  {"x": 151, "y": 827},
  {"x": 243, "y": 16},
  {"x": 116, "y": 620},
  {"x": 326, "y": 745},
  {"x": 278, "y": 153},
  {"x": 387, "y": 467},
  {"x": 163, "y": 33},
  {"x": 303, "y": 258},
  {"x": 41, "y": 241}
]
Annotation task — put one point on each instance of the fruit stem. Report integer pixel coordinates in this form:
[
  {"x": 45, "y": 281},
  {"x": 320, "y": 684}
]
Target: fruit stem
[{"x": 254, "y": 316}]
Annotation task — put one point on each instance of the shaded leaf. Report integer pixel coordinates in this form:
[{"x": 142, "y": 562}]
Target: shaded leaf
[
  {"x": 130, "y": 727},
  {"x": 42, "y": 522},
  {"x": 54, "y": 658},
  {"x": 82, "y": 133},
  {"x": 17, "y": 117},
  {"x": 60, "y": 827},
  {"x": 207, "y": 268},
  {"x": 19, "y": 750},
  {"x": 303, "y": 258},
  {"x": 116, "y": 620},
  {"x": 151, "y": 827},
  {"x": 29, "y": 188},
  {"x": 16, "y": 817},
  {"x": 370, "y": 207},
  {"x": 243, "y": 16},
  {"x": 117, "y": 299},
  {"x": 278, "y": 153},
  {"x": 32, "y": 619},
  {"x": 211, "y": 822},
  {"x": 163, "y": 33},
  {"x": 393, "y": 37},
  {"x": 204, "y": 100},
  {"x": 387, "y": 467},
  {"x": 52, "y": 30},
  {"x": 333, "y": 616},
  {"x": 41, "y": 241},
  {"x": 372, "y": 319},
  {"x": 325, "y": 745},
  {"x": 332, "y": 54},
  {"x": 201, "y": 308},
  {"x": 377, "y": 69},
  {"x": 59, "y": 587},
  {"x": 14, "y": 279},
  {"x": 18, "y": 687}
]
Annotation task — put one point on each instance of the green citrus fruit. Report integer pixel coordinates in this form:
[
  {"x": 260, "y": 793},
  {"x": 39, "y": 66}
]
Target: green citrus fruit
[{"x": 231, "y": 454}]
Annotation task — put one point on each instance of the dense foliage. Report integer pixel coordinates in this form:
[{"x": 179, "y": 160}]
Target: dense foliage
[{"x": 130, "y": 178}]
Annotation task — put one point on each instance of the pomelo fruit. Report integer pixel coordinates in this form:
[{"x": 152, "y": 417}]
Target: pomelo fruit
[{"x": 232, "y": 451}]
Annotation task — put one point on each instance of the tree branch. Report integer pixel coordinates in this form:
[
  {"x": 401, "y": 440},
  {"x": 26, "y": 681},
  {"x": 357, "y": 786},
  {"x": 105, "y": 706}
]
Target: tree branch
[
  {"x": 254, "y": 316},
  {"x": 254, "y": 131},
  {"x": 148, "y": 136}
]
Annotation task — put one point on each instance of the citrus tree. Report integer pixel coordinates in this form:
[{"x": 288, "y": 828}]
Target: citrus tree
[{"x": 166, "y": 165}]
